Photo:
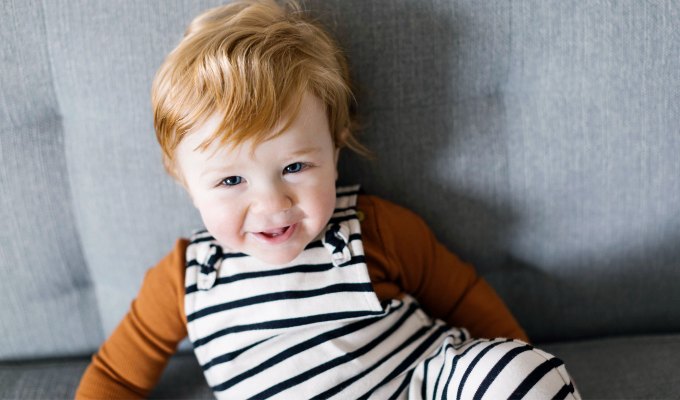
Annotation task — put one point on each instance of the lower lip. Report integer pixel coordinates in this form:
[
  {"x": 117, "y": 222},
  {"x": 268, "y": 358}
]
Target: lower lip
[{"x": 276, "y": 239}]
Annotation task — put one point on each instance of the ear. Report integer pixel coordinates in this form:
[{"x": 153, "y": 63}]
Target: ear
[
  {"x": 336, "y": 156},
  {"x": 342, "y": 137},
  {"x": 340, "y": 142}
]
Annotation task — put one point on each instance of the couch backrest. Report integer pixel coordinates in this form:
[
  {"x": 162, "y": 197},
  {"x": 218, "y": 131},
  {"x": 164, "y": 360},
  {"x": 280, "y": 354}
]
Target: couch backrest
[{"x": 539, "y": 139}]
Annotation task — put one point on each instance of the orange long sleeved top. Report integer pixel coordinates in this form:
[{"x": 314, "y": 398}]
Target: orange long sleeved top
[{"x": 402, "y": 256}]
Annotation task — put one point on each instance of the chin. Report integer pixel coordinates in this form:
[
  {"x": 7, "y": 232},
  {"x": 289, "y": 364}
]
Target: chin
[{"x": 277, "y": 259}]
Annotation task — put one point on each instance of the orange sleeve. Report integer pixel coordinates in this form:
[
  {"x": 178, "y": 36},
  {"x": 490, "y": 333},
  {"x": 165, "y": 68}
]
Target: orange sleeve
[
  {"x": 131, "y": 361},
  {"x": 403, "y": 255}
]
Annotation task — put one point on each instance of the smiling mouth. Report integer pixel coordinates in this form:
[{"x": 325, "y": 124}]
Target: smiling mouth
[
  {"x": 275, "y": 232},
  {"x": 275, "y": 236}
]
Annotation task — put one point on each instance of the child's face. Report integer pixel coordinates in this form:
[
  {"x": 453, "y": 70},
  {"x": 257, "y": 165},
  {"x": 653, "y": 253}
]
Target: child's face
[{"x": 268, "y": 201}]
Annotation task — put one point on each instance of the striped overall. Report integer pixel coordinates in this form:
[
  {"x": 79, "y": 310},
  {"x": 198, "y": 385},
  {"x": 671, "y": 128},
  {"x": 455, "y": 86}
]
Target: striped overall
[{"x": 314, "y": 328}]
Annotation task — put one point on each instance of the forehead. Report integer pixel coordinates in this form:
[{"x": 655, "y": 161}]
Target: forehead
[{"x": 308, "y": 128}]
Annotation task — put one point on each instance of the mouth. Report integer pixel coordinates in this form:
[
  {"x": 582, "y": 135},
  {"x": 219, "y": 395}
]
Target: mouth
[{"x": 275, "y": 235}]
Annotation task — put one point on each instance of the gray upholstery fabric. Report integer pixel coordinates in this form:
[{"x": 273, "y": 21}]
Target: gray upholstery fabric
[
  {"x": 539, "y": 140},
  {"x": 642, "y": 367},
  {"x": 47, "y": 301},
  {"x": 128, "y": 212},
  {"x": 55, "y": 379},
  {"x": 58, "y": 379}
]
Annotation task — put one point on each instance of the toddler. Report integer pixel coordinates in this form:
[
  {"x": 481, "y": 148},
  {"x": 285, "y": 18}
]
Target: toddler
[{"x": 297, "y": 288}]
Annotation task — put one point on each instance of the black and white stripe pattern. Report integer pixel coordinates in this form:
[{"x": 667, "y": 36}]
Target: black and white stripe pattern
[{"x": 315, "y": 329}]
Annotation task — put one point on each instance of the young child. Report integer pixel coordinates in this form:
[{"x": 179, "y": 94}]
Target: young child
[{"x": 298, "y": 289}]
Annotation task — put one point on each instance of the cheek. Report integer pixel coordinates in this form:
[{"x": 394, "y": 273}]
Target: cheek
[
  {"x": 325, "y": 203},
  {"x": 222, "y": 222}
]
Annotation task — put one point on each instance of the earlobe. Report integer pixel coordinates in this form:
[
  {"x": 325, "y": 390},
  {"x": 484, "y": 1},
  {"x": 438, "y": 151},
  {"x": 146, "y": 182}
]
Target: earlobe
[
  {"x": 340, "y": 143},
  {"x": 342, "y": 138},
  {"x": 337, "y": 157}
]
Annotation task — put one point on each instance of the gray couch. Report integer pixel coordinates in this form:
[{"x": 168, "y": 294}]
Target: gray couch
[{"x": 539, "y": 139}]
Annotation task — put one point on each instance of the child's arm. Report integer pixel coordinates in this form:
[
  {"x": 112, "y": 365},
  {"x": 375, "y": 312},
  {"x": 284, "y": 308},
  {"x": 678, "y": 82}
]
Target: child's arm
[
  {"x": 418, "y": 264},
  {"x": 130, "y": 362}
]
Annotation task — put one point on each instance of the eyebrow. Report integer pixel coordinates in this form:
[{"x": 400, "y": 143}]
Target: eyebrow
[
  {"x": 305, "y": 151},
  {"x": 302, "y": 152},
  {"x": 209, "y": 171}
]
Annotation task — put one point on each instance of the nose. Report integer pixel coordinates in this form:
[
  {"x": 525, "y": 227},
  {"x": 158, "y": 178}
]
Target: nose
[{"x": 272, "y": 199}]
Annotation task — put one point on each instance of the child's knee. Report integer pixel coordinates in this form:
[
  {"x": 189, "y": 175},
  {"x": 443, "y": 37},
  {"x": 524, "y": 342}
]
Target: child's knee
[{"x": 514, "y": 369}]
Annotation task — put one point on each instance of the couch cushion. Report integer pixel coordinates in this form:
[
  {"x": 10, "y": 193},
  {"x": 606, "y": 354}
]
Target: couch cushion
[
  {"x": 48, "y": 306},
  {"x": 104, "y": 55},
  {"x": 642, "y": 367},
  {"x": 59, "y": 379},
  {"x": 539, "y": 139}
]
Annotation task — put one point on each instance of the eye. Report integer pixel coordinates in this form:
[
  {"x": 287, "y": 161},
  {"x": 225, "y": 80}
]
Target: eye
[
  {"x": 232, "y": 181},
  {"x": 294, "y": 168}
]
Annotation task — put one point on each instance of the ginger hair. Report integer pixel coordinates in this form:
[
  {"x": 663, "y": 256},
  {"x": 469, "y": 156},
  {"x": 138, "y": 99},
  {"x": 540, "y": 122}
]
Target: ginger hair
[{"x": 250, "y": 62}]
